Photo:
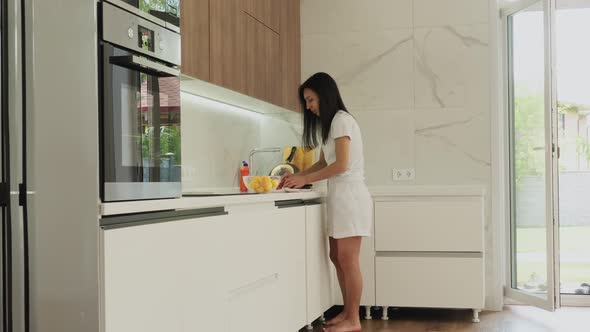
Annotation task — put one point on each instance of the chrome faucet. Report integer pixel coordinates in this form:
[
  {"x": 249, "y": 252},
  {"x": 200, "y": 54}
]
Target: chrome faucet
[{"x": 259, "y": 150}]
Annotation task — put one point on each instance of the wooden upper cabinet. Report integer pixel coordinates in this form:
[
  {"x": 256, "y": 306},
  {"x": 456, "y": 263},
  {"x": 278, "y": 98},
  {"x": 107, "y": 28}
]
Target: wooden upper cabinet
[
  {"x": 249, "y": 46},
  {"x": 290, "y": 54},
  {"x": 194, "y": 29},
  {"x": 227, "y": 45},
  {"x": 268, "y": 12},
  {"x": 273, "y": 69},
  {"x": 263, "y": 61}
]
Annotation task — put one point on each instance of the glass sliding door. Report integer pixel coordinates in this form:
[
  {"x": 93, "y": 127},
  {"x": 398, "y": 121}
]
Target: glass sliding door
[{"x": 531, "y": 275}]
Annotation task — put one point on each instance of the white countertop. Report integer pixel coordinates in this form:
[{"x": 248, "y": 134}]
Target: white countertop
[
  {"x": 198, "y": 202},
  {"x": 423, "y": 190}
]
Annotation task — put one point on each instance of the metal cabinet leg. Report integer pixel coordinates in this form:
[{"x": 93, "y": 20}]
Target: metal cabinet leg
[
  {"x": 322, "y": 318},
  {"x": 384, "y": 316},
  {"x": 476, "y": 315},
  {"x": 368, "y": 312},
  {"x": 309, "y": 327}
]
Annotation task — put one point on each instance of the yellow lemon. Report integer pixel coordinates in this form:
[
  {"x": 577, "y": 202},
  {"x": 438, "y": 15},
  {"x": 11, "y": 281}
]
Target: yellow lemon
[
  {"x": 275, "y": 183},
  {"x": 267, "y": 187}
]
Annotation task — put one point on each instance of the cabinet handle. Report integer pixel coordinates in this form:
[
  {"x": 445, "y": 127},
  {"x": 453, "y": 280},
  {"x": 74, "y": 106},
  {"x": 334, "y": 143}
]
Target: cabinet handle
[
  {"x": 445, "y": 254},
  {"x": 291, "y": 203},
  {"x": 252, "y": 285},
  {"x": 144, "y": 218},
  {"x": 144, "y": 65}
]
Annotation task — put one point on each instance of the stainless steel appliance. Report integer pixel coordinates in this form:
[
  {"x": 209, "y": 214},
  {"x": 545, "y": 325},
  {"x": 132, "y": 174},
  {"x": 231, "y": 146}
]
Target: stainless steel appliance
[
  {"x": 139, "y": 106},
  {"x": 49, "y": 190},
  {"x": 163, "y": 12}
]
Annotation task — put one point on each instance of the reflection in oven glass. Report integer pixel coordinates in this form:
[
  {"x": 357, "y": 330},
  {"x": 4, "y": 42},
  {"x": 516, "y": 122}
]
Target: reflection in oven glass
[{"x": 159, "y": 125}]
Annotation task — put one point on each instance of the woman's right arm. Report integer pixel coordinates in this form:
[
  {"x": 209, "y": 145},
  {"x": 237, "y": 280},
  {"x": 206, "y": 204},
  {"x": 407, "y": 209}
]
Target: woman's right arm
[{"x": 317, "y": 166}]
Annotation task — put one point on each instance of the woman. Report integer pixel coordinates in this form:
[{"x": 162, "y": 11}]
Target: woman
[{"x": 327, "y": 122}]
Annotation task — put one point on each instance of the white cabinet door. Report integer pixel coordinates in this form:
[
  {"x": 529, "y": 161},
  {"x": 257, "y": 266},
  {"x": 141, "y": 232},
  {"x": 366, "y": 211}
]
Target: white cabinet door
[
  {"x": 267, "y": 267},
  {"x": 242, "y": 272},
  {"x": 253, "y": 286},
  {"x": 167, "y": 276},
  {"x": 436, "y": 224},
  {"x": 319, "y": 289},
  {"x": 444, "y": 280},
  {"x": 290, "y": 244}
]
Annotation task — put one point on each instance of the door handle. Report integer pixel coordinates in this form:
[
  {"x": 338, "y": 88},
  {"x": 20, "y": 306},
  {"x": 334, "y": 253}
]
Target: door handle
[{"x": 144, "y": 65}]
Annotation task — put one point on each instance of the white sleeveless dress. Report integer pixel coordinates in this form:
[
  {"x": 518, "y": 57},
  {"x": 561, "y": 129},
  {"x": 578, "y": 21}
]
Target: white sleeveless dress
[{"x": 349, "y": 203}]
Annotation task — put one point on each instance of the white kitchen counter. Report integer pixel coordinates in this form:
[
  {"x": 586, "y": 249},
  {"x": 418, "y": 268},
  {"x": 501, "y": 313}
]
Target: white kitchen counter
[
  {"x": 410, "y": 190},
  {"x": 198, "y": 202}
]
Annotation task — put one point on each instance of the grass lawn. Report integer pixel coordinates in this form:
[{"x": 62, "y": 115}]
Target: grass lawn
[{"x": 574, "y": 250}]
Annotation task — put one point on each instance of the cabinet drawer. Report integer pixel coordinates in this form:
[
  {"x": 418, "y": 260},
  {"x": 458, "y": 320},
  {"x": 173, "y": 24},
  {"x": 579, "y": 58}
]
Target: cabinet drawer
[
  {"x": 429, "y": 225},
  {"x": 430, "y": 280}
]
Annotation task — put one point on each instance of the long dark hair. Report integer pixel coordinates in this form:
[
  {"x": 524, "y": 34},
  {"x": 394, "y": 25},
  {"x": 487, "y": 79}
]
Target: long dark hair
[{"x": 330, "y": 102}]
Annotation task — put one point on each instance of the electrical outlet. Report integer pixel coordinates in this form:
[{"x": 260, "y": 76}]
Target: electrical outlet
[
  {"x": 396, "y": 174},
  {"x": 410, "y": 173},
  {"x": 403, "y": 174}
]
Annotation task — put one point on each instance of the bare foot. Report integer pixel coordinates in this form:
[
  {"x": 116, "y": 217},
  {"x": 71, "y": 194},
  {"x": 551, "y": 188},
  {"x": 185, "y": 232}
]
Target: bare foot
[
  {"x": 344, "y": 326},
  {"x": 340, "y": 317}
]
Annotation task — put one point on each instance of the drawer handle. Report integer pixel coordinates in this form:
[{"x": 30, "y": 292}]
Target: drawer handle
[
  {"x": 253, "y": 285},
  {"x": 444, "y": 254}
]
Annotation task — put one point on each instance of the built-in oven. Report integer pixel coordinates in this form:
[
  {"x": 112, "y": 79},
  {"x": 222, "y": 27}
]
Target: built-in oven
[
  {"x": 139, "y": 107},
  {"x": 162, "y": 12}
]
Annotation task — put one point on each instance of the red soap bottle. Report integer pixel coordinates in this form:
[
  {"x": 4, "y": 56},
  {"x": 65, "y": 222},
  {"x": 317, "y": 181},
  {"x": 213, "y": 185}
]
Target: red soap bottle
[{"x": 244, "y": 171}]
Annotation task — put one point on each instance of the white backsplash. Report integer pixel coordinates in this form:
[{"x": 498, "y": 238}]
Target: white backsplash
[
  {"x": 364, "y": 63},
  {"x": 416, "y": 75},
  {"x": 216, "y": 137}
]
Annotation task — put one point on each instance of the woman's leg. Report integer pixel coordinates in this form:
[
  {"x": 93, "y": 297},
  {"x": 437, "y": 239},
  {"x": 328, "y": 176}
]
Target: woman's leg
[
  {"x": 348, "y": 258},
  {"x": 334, "y": 258}
]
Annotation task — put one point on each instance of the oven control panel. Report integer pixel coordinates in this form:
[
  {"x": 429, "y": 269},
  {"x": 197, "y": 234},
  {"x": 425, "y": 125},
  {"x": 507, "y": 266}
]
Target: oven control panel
[{"x": 127, "y": 30}]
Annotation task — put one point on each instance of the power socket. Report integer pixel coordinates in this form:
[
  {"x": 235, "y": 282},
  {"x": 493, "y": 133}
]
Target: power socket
[{"x": 403, "y": 174}]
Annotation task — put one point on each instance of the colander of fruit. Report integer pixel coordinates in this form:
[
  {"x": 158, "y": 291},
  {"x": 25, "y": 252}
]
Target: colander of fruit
[{"x": 261, "y": 184}]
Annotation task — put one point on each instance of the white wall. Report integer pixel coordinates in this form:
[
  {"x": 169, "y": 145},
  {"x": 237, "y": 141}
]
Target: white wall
[
  {"x": 216, "y": 137},
  {"x": 416, "y": 74}
]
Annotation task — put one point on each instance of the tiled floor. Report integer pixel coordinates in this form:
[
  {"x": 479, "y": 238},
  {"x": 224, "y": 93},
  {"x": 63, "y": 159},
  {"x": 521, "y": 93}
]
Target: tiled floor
[{"x": 512, "y": 319}]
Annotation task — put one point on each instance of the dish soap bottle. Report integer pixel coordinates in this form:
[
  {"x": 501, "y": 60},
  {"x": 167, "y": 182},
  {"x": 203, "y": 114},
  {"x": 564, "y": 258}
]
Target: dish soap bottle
[{"x": 244, "y": 171}]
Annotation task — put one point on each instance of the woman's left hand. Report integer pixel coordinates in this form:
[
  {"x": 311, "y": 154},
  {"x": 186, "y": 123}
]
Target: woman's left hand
[{"x": 295, "y": 181}]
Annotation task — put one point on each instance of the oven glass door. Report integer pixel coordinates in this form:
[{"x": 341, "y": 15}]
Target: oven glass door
[
  {"x": 140, "y": 127},
  {"x": 170, "y": 7}
]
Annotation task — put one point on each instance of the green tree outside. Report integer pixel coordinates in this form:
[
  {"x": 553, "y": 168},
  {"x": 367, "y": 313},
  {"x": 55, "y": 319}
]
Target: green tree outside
[
  {"x": 529, "y": 133},
  {"x": 146, "y": 5}
]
